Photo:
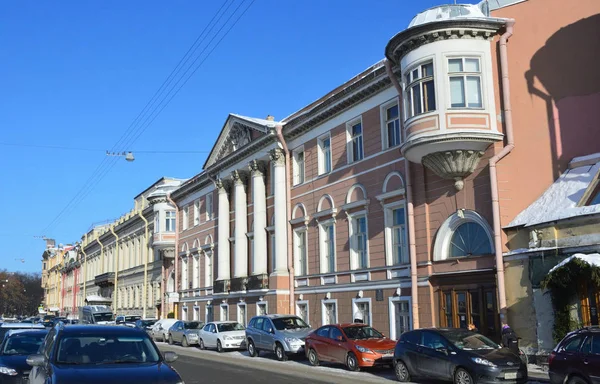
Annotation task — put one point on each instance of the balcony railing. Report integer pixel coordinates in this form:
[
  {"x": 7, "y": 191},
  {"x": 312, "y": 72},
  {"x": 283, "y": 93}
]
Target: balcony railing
[
  {"x": 258, "y": 282},
  {"x": 222, "y": 286}
]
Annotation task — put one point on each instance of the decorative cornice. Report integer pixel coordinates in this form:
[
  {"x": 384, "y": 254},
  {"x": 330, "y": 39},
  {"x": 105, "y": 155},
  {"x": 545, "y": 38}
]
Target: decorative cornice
[{"x": 277, "y": 157}]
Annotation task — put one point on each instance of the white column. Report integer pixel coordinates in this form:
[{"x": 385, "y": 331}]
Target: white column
[
  {"x": 223, "y": 231},
  {"x": 259, "y": 198},
  {"x": 278, "y": 158},
  {"x": 240, "y": 257}
]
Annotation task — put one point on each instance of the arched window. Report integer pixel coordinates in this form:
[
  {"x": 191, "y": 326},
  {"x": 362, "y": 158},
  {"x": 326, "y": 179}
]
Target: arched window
[{"x": 463, "y": 234}]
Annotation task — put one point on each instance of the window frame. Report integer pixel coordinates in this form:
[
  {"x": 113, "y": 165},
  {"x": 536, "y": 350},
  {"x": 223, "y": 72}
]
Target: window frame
[
  {"x": 222, "y": 306},
  {"x": 354, "y": 255},
  {"x": 209, "y": 205},
  {"x": 392, "y": 300},
  {"x": 196, "y": 213},
  {"x": 185, "y": 217},
  {"x": 244, "y": 321},
  {"x": 356, "y": 301},
  {"x": 441, "y": 250},
  {"x": 385, "y": 142},
  {"x": 464, "y": 75},
  {"x": 298, "y": 167},
  {"x": 409, "y": 83},
  {"x": 323, "y": 249},
  {"x": 351, "y": 156},
  {"x": 389, "y": 232},
  {"x": 322, "y": 159},
  {"x": 297, "y": 257},
  {"x": 324, "y": 303},
  {"x": 258, "y": 304},
  {"x": 307, "y": 304},
  {"x": 170, "y": 221}
]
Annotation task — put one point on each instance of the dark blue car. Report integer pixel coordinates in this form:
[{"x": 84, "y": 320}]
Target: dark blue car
[{"x": 14, "y": 349}]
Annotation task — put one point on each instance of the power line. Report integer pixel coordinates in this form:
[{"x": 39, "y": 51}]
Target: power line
[
  {"x": 105, "y": 166},
  {"x": 90, "y": 149}
]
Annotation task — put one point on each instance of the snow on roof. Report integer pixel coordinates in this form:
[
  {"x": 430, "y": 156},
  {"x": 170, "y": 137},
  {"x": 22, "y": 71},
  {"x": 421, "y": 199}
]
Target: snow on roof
[
  {"x": 591, "y": 259},
  {"x": 448, "y": 12},
  {"x": 263, "y": 122},
  {"x": 561, "y": 200}
]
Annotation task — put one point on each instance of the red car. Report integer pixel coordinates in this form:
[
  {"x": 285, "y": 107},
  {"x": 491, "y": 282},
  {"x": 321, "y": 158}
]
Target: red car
[{"x": 356, "y": 345}]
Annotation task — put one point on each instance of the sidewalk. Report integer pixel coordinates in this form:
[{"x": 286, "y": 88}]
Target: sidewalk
[{"x": 537, "y": 373}]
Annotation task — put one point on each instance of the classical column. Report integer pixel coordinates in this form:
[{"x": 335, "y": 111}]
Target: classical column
[
  {"x": 259, "y": 198},
  {"x": 240, "y": 257},
  {"x": 278, "y": 159},
  {"x": 223, "y": 231}
]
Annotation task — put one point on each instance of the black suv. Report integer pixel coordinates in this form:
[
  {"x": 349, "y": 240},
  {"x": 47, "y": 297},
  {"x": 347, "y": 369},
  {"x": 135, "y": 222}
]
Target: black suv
[
  {"x": 100, "y": 354},
  {"x": 576, "y": 359}
]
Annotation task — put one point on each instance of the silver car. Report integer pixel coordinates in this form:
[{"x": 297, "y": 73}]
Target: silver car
[
  {"x": 282, "y": 334},
  {"x": 185, "y": 333}
]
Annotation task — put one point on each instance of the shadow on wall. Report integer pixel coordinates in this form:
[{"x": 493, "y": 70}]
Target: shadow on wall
[{"x": 566, "y": 67}]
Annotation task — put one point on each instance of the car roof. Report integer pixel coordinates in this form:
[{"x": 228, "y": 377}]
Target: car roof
[
  {"x": 95, "y": 329},
  {"x": 277, "y": 316},
  {"x": 21, "y": 325}
]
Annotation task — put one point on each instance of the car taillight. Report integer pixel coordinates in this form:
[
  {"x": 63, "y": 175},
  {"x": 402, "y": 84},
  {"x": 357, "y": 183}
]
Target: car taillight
[{"x": 551, "y": 357}]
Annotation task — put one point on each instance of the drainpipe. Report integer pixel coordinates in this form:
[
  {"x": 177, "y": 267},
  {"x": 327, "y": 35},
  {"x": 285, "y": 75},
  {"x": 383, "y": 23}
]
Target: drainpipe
[
  {"x": 116, "y": 289},
  {"x": 291, "y": 271},
  {"x": 409, "y": 207},
  {"x": 84, "y": 268},
  {"x": 510, "y": 144},
  {"x": 145, "y": 294},
  {"x": 101, "y": 254},
  {"x": 176, "y": 249}
]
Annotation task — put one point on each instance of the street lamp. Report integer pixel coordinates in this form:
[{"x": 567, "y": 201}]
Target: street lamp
[{"x": 128, "y": 155}]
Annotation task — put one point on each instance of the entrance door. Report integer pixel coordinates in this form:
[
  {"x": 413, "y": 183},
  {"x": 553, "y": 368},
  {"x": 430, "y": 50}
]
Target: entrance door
[
  {"x": 401, "y": 317},
  {"x": 209, "y": 313}
]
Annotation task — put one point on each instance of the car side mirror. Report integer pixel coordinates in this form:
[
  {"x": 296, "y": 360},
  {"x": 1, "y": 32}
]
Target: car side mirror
[
  {"x": 271, "y": 330},
  {"x": 170, "y": 357},
  {"x": 340, "y": 338},
  {"x": 36, "y": 360}
]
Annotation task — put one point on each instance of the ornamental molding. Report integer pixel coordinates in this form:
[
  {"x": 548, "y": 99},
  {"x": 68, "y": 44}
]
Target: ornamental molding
[
  {"x": 456, "y": 164},
  {"x": 223, "y": 185},
  {"x": 257, "y": 168},
  {"x": 239, "y": 177},
  {"x": 277, "y": 157}
]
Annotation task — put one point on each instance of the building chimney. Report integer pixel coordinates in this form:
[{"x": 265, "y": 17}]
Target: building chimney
[
  {"x": 50, "y": 243},
  {"x": 270, "y": 118}
]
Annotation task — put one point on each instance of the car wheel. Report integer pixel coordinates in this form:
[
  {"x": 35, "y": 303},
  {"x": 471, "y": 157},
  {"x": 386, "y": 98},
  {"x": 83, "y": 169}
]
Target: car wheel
[
  {"x": 352, "y": 362},
  {"x": 313, "y": 358},
  {"x": 252, "y": 349},
  {"x": 280, "y": 352},
  {"x": 219, "y": 346},
  {"x": 576, "y": 380},
  {"x": 201, "y": 344},
  {"x": 170, "y": 340},
  {"x": 184, "y": 342},
  {"x": 401, "y": 371},
  {"x": 461, "y": 376}
]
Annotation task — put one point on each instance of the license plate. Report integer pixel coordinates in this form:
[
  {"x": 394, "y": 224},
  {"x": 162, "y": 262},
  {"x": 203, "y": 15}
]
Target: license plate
[
  {"x": 388, "y": 355},
  {"x": 510, "y": 375}
]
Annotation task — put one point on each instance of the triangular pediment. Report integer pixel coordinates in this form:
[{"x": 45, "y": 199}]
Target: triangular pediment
[{"x": 237, "y": 132}]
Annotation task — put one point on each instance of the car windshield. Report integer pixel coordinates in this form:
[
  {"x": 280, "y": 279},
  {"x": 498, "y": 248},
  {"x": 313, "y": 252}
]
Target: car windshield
[
  {"x": 147, "y": 323},
  {"x": 193, "y": 325},
  {"x": 132, "y": 318},
  {"x": 23, "y": 343},
  {"x": 283, "y": 323},
  {"x": 103, "y": 317},
  {"x": 106, "y": 349},
  {"x": 228, "y": 327},
  {"x": 362, "y": 332},
  {"x": 467, "y": 340}
]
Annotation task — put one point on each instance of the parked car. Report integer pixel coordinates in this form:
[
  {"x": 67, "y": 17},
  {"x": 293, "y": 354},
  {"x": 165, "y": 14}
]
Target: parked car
[
  {"x": 100, "y": 354},
  {"x": 128, "y": 320},
  {"x": 160, "y": 329},
  {"x": 356, "y": 345},
  {"x": 14, "y": 349},
  {"x": 185, "y": 333},
  {"x": 222, "y": 335},
  {"x": 145, "y": 324},
  {"x": 5, "y": 327},
  {"x": 455, "y": 354},
  {"x": 576, "y": 359},
  {"x": 282, "y": 334}
]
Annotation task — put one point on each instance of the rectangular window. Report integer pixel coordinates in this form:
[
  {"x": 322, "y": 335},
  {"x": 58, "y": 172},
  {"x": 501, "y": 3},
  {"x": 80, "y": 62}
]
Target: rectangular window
[
  {"x": 185, "y": 219},
  {"x": 196, "y": 212},
  {"x": 209, "y": 313},
  {"x": 209, "y": 207},
  {"x": 157, "y": 222},
  {"x": 302, "y": 311},
  {"x": 465, "y": 82},
  {"x": 329, "y": 312},
  {"x": 392, "y": 125},
  {"x": 298, "y": 158},
  {"x": 399, "y": 237},
  {"x": 328, "y": 247},
  {"x": 261, "y": 309},
  {"x": 355, "y": 147},
  {"x": 361, "y": 311},
  {"x": 359, "y": 242},
  {"x": 241, "y": 318},
  {"x": 209, "y": 270},
  {"x": 224, "y": 312},
  {"x": 324, "y": 154},
  {"x": 196, "y": 272},
  {"x": 401, "y": 317},
  {"x": 420, "y": 91},
  {"x": 170, "y": 221},
  {"x": 301, "y": 256}
]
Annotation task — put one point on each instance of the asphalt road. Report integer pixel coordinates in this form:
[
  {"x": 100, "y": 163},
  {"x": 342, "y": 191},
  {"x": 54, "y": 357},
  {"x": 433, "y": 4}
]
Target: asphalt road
[{"x": 195, "y": 370}]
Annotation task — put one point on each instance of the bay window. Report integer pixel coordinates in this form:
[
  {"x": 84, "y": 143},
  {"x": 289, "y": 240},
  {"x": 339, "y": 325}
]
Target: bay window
[
  {"x": 420, "y": 90},
  {"x": 465, "y": 82}
]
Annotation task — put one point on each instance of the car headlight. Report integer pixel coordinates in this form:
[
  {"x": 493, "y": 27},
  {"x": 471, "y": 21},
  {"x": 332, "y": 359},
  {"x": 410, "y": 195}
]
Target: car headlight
[
  {"x": 363, "y": 349},
  {"x": 293, "y": 340},
  {"x": 227, "y": 337},
  {"x": 8, "y": 371},
  {"x": 481, "y": 361}
]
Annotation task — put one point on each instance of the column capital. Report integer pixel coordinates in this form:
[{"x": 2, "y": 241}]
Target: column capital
[
  {"x": 257, "y": 168},
  {"x": 277, "y": 156},
  {"x": 223, "y": 185},
  {"x": 239, "y": 177}
]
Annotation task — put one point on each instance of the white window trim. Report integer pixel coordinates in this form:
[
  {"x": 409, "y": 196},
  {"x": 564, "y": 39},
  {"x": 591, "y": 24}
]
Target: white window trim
[
  {"x": 405, "y": 85},
  {"x": 297, "y": 231},
  {"x": 223, "y": 305},
  {"x": 245, "y": 313},
  {"x": 295, "y": 168},
  {"x": 482, "y": 76},
  {"x": 349, "y": 151},
  {"x": 196, "y": 271},
  {"x": 304, "y": 302},
  {"x": 184, "y": 274},
  {"x": 196, "y": 315},
  {"x": 321, "y": 156},
  {"x": 392, "y": 314},
  {"x": 207, "y": 269},
  {"x": 356, "y": 301},
  {"x": 197, "y": 215},
  {"x": 209, "y": 213},
  {"x": 322, "y": 248},
  {"x": 383, "y": 119},
  {"x": 389, "y": 236},
  {"x": 441, "y": 248},
  {"x": 259, "y": 303},
  {"x": 184, "y": 313},
  {"x": 324, "y": 311},
  {"x": 206, "y": 313},
  {"x": 352, "y": 251},
  {"x": 186, "y": 217}
]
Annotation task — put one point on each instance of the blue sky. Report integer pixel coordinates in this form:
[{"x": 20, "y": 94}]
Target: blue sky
[{"x": 76, "y": 73}]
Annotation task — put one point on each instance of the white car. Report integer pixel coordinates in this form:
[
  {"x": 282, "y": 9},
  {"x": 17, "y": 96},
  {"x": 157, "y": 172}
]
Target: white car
[
  {"x": 222, "y": 335},
  {"x": 160, "y": 329}
]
